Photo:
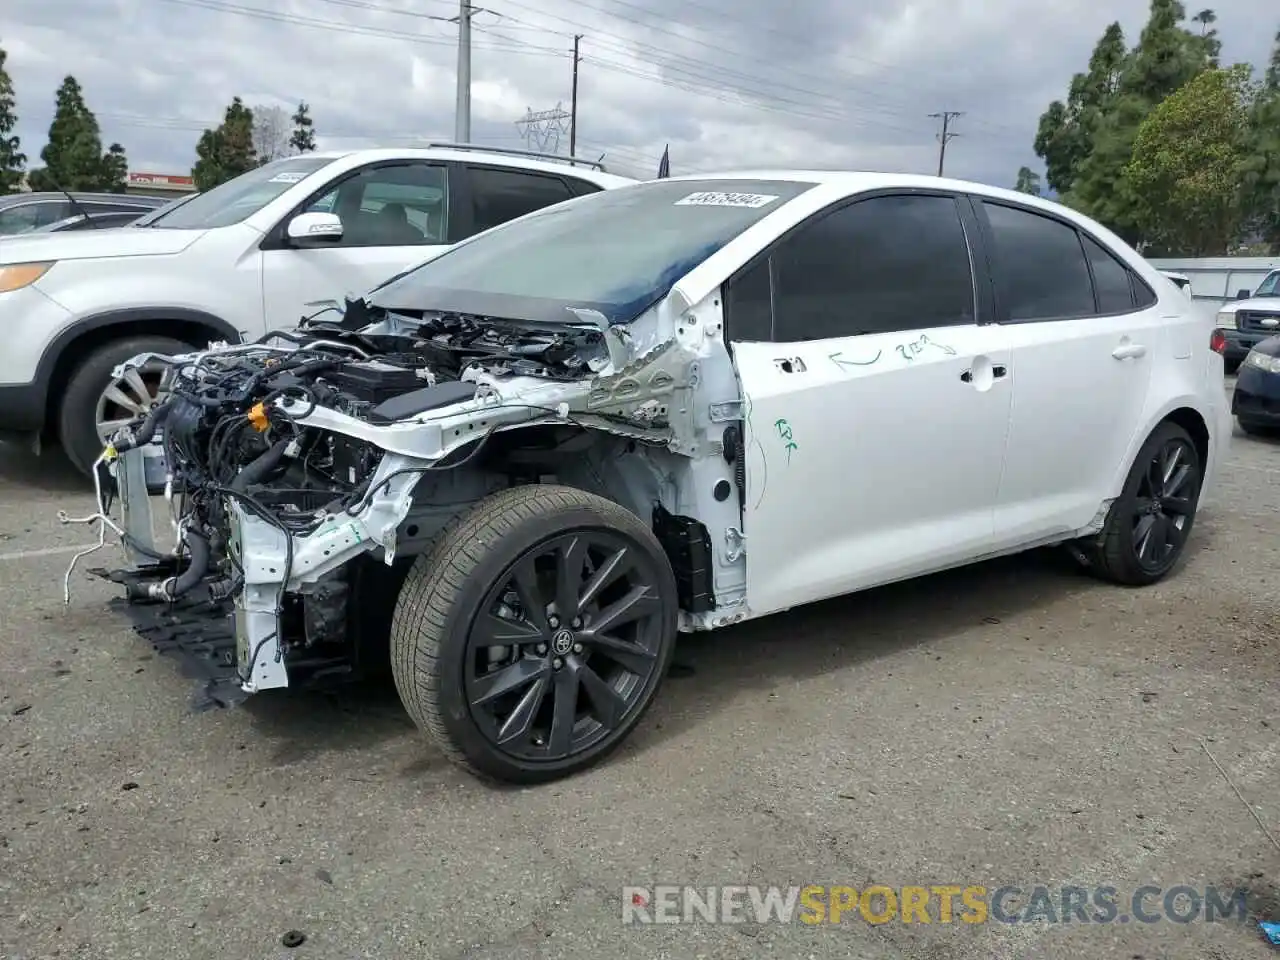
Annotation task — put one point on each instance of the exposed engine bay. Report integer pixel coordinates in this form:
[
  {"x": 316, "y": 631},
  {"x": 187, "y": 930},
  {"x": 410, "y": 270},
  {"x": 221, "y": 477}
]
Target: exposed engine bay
[{"x": 303, "y": 472}]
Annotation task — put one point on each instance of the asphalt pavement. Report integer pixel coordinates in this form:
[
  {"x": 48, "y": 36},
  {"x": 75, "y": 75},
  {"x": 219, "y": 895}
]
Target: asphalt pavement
[{"x": 1009, "y": 724}]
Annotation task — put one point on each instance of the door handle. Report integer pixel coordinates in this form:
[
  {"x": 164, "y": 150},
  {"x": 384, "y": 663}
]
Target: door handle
[
  {"x": 997, "y": 372},
  {"x": 1129, "y": 351}
]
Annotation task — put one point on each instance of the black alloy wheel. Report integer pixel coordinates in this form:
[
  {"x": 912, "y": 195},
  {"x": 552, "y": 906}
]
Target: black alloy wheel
[
  {"x": 1165, "y": 505},
  {"x": 1148, "y": 525},
  {"x": 564, "y": 645},
  {"x": 533, "y": 636}
]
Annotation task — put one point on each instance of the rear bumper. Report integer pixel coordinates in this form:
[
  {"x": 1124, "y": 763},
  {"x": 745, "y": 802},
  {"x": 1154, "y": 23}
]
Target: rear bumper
[{"x": 1256, "y": 397}]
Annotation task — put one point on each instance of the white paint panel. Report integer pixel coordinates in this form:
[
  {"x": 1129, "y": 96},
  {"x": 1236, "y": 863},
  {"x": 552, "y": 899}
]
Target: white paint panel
[{"x": 869, "y": 458}]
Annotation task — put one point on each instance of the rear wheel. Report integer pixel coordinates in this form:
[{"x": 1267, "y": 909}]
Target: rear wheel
[
  {"x": 1148, "y": 525},
  {"x": 96, "y": 404},
  {"x": 533, "y": 638}
]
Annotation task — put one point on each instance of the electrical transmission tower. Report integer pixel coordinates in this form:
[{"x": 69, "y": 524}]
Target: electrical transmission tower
[
  {"x": 542, "y": 130},
  {"x": 947, "y": 134}
]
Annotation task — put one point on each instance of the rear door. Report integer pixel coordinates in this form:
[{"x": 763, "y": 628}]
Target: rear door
[
  {"x": 877, "y": 401},
  {"x": 1085, "y": 333},
  {"x": 393, "y": 215}
]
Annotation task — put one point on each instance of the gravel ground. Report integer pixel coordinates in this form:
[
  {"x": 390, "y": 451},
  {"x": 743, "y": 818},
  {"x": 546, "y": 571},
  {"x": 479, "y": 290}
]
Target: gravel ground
[{"x": 1013, "y": 723}]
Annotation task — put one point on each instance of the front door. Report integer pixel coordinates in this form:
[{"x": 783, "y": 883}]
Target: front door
[
  {"x": 876, "y": 403},
  {"x": 393, "y": 216},
  {"x": 1084, "y": 334}
]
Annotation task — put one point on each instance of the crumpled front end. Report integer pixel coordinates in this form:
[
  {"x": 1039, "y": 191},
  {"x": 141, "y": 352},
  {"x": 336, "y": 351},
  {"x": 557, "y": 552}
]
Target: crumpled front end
[{"x": 297, "y": 481}]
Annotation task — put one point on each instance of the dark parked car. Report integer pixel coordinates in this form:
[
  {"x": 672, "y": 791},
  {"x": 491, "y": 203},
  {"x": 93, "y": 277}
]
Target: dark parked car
[
  {"x": 28, "y": 212},
  {"x": 1255, "y": 402}
]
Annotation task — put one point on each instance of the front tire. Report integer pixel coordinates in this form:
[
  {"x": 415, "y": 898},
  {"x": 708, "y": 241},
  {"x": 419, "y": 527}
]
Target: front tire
[
  {"x": 95, "y": 404},
  {"x": 532, "y": 639},
  {"x": 1148, "y": 525}
]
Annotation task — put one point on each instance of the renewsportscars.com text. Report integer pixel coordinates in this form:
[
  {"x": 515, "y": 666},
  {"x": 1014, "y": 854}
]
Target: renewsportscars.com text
[{"x": 938, "y": 903}]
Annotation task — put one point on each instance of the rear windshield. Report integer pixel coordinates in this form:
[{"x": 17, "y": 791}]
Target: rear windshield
[{"x": 616, "y": 251}]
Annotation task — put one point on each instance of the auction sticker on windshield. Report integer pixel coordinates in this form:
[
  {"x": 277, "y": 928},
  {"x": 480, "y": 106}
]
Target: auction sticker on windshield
[
  {"x": 712, "y": 198},
  {"x": 290, "y": 176}
]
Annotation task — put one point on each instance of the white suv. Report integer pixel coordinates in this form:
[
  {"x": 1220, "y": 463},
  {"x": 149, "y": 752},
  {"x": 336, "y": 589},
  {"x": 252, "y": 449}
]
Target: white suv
[{"x": 234, "y": 262}]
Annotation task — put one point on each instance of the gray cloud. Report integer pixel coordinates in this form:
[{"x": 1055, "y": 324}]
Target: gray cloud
[{"x": 728, "y": 83}]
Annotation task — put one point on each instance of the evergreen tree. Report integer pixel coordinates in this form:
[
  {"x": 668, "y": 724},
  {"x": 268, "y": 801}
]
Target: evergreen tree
[
  {"x": 1028, "y": 181},
  {"x": 1066, "y": 132},
  {"x": 227, "y": 151},
  {"x": 1167, "y": 55},
  {"x": 12, "y": 160},
  {"x": 115, "y": 170},
  {"x": 73, "y": 156},
  {"x": 303, "y": 139}
]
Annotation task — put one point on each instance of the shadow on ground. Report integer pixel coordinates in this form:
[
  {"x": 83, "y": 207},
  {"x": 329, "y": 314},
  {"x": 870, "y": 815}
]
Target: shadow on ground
[
  {"x": 712, "y": 669},
  {"x": 50, "y": 471}
]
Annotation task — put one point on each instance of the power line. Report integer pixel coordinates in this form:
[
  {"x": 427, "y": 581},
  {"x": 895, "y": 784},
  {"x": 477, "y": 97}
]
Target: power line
[
  {"x": 219, "y": 6},
  {"x": 947, "y": 135}
]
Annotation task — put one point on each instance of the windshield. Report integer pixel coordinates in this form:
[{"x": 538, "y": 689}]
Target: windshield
[
  {"x": 1268, "y": 286},
  {"x": 233, "y": 201},
  {"x": 616, "y": 251}
]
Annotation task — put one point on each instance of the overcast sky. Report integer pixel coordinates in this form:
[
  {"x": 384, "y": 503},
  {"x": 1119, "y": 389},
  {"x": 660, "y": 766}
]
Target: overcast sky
[{"x": 728, "y": 83}]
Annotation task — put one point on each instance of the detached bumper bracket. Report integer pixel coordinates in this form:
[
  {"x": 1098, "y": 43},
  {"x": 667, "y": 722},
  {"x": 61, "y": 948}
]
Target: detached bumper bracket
[{"x": 198, "y": 634}]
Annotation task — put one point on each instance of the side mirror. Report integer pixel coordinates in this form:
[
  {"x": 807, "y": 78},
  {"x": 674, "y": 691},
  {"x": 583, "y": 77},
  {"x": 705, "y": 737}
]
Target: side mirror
[
  {"x": 309, "y": 228},
  {"x": 1243, "y": 294}
]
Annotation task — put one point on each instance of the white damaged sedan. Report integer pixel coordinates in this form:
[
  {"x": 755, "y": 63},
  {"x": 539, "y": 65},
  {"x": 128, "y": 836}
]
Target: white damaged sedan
[{"x": 515, "y": 473}]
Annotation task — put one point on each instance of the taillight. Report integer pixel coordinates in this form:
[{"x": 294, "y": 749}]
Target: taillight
[{"x": 1218, "y": 341}]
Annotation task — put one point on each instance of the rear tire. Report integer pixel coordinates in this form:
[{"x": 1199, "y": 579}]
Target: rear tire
[
  {"x": 1148, "y": 525},
  {"x": 78, "y": 413},
  {"x": 568, "y": 685}
]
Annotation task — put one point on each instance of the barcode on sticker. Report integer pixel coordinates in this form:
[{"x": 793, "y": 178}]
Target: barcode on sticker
[
  {"x": 712, "y": 198},
  {"x": 293, "y": 177}
]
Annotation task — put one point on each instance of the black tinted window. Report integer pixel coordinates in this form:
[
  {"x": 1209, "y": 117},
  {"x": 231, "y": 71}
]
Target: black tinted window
[
  {"x": 1110, "y": 279},
  {"x": 501, "y": 195},
  {"x": 1143, "y": 296},
  {"x": 1040, "y": 264},
  {"x": 748, "y": 311},
  {"x": 878, "y": 265}
]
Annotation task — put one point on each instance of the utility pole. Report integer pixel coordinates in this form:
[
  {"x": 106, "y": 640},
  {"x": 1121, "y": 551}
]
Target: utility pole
[
  {"x": 947, "y": 134},
  {"x": 462, "y": 112},
  {"x": 573, "y": 109}
]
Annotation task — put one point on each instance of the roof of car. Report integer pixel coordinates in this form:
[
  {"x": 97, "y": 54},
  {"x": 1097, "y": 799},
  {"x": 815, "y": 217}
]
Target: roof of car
[
  {"x": 128, "y": 199},
  {"x": 856, "y": 181},
  {"x": 564, "y": 166}
]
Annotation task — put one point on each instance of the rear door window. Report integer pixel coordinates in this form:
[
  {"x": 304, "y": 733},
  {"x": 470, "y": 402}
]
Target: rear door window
[
  {"x": 501, "y": 195},
  {"x": 1040, "y": 265}
]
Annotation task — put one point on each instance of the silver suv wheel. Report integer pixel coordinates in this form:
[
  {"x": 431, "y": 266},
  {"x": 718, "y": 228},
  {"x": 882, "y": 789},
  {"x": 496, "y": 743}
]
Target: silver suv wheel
[{"x": 132, "y": 395}]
